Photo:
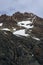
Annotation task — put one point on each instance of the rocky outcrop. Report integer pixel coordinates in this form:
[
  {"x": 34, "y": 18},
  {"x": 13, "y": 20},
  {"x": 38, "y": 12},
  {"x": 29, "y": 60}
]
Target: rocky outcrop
[
  {"x": 38, "y": 52},
  {"x": 18, "y": 50}
]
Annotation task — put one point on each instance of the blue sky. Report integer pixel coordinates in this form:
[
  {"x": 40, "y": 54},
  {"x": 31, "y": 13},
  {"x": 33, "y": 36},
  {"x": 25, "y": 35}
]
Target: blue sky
[{"x": 11, "y": 6}]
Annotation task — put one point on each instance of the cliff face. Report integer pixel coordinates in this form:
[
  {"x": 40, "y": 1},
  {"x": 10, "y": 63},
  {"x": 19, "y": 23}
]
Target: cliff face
[{"x": 17, "y": 49}]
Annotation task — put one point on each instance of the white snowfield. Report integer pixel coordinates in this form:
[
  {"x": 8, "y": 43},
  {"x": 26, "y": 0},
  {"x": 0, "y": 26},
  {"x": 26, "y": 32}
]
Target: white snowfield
[
  {"x": 1, "y": 24},
  {"x": 26, "y": 24},
  {"x": 21, "y": 32}
]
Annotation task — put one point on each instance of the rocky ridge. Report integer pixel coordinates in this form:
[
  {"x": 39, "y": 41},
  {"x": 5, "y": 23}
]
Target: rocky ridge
[{"x": 17, "y": 49}]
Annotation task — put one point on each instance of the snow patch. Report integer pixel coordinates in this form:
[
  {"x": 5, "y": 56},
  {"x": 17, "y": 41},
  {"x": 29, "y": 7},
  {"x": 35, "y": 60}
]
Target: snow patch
[
  {"x": 26, "y": 24},
  {"x": 1, "y": 24},
  {"x": 14, "y": 29},
  {"x": 36, "y": 38},
  {"x": 21, "y": 32},
  {"x": 6, "y": 29}
]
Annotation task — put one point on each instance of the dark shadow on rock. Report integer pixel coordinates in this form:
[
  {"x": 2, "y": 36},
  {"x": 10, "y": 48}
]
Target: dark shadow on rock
[{"x": 17, "y": 50}]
